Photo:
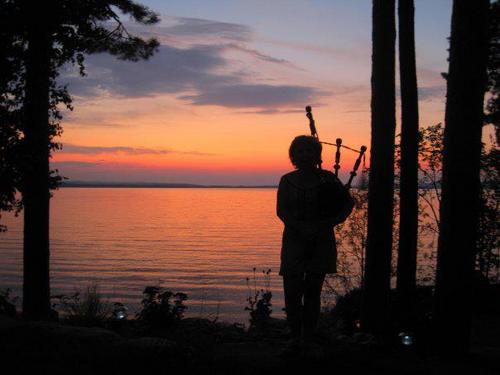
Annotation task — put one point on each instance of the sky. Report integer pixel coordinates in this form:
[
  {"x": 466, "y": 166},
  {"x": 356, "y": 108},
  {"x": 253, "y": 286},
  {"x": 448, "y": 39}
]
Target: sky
[{"x": 224, "y": 96}]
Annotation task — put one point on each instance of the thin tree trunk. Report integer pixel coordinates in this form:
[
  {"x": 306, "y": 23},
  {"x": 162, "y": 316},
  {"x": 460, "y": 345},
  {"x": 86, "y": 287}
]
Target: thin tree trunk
[
  {"x": 36, "y": 288},
  {"x": 375, "y": 309},
  {"x": 460, "y": 186},
  {"x": 408, "y": 188}
]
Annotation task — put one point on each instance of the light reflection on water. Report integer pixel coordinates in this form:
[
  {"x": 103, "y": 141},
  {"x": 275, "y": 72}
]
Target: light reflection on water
[{"x": 204, "y": 242}]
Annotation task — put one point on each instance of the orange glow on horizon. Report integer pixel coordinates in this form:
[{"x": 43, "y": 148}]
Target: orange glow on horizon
[{"x": 207, "y": 138}]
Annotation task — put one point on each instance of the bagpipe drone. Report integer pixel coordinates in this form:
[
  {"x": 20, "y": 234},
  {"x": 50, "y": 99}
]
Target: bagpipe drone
[{"x": 338, "y": 144}]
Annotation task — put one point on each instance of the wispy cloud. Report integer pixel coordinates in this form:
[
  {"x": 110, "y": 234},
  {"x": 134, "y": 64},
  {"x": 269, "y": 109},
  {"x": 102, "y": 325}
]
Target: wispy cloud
[
  {"x": 74, "y": 164},
  {"x": 96, "y": 150},
  {"x": 432, "y": 92},
  {"x": 429, "y": 93},
  {"x": 171, "y": 70},
  {"x": 95, "y": 119},
  {"x": 273, "y": 111},
  {"x": 260, "y": 56},
  {"x": 186, "y": 30},
  {"x": 361, "y": 52},
  {"x": 200, "y": 74},
  {"x": 195, "y": 26},
  {"x": 255, "y": 96}
]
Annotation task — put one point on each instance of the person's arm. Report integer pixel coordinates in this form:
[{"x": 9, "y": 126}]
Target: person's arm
[
  {"x": 343, "y": 210},
  {"x": 346, "y": 202},
  {"x": 281, "y": 207}
]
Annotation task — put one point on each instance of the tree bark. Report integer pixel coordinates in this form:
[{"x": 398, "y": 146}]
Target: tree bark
[
  {"x": 460, "y": 184},
  {"x": 375, "y": 309},
  {"x": 408, "y": 184},
  {"x": 36, "y": 287}
]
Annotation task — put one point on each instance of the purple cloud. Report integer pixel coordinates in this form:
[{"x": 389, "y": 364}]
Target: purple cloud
[
  {"x": 94, "y": 150},
  {"x": 255, "y": 96},
  {"x": 199, "y": 74}
]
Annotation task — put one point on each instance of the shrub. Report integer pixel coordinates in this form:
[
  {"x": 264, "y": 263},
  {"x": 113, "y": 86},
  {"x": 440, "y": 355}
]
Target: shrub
[
  {"x": 259, "y": 301},
  {"x": 161, "y": 308},
  {"x": 87, "y": 309},
  {"x": 7, "y": 304}
]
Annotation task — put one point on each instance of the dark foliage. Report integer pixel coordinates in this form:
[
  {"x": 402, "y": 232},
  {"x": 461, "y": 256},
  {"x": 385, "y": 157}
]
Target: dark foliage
[
  {"x": 77, "y": 28},
  {"x": 488, "y": 245},
  {"x": 259, "y": 301},
  {"x": 84, "y": 308},
  {"x": 493, "y": 69},
  {"x": 11, "y": 68},
  {"x": 7, "y": 304},
  {"x": 40, "y": 37},
  {"x": 161, "y": 308},
  {"x": 347, "y": 311}
]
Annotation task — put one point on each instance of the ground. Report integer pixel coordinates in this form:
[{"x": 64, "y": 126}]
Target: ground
[{"x": 202, "y": 346}]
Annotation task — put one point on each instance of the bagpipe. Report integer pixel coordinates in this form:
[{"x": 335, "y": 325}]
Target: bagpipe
[{"x": 338, "y": 144}]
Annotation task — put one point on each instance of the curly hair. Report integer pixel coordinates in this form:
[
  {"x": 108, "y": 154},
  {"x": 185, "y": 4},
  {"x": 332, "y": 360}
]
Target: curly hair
[{"x": 308, "y": 140}]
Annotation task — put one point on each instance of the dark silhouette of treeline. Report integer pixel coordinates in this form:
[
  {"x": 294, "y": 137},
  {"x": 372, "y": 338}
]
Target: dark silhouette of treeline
[
  {"x": 37, "y": 38},
  {"x": 460, "y": 188}
]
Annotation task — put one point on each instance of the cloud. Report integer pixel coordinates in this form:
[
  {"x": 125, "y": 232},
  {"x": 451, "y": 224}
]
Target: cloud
[
  {"x": 77, "y": 149},
  {"x": 259, "y": 55},
  {"x": 171, "y": 70},
  {"x": 74, "y": 164},
  {"x": 177, "y": 71},
  {"x": 186, "y": 30},
  {"x": 428, "y": 93},
  {"x": 362, "y": 52},
  {"x": 95, "y": 150},
  {"x": 432, "y": 92},
  {"x": 273, "y": 111},
  {"x": 97, "y": 119},
  {"x": 195, "y": 26},
  {"x": 199, "y": 74},
  {"x": 357, "y": 111},
  {"x": 229, "y": 36},
  {"x": 255, "y": 96}
]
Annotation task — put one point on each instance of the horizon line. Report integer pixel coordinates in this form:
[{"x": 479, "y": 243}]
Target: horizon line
[{"x": 139, "y": 184}]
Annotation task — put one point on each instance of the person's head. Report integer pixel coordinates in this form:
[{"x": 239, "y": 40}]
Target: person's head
[{"x": 305, "y": 152}]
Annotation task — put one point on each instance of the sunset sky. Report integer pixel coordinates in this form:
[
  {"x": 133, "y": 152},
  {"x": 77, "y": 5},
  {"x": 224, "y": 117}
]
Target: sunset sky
[{"x": 224, "y": 96}]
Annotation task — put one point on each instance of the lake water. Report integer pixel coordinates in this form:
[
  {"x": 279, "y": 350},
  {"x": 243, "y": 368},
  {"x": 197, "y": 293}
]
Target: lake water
[
  {"x": 204, "y": 242},
  {"x": 201, "y": 241}
]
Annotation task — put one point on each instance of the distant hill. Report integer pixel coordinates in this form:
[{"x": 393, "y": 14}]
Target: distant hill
[{"x": 103, "y": 184}]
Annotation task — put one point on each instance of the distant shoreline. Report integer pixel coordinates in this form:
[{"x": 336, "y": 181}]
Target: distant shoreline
[
  {"x": 97, "y": 184},
  {"x": 156, "y": 185}
]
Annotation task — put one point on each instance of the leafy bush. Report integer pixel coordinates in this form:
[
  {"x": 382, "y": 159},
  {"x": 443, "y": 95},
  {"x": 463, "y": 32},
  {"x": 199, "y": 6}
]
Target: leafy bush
[
  {"x": 161, "y": 308},
  {"x": 7, "y": 304},
  {"x": 259, "y": 301},
  {"x": 87, "y": 309},
  {"x": 347, "y": 310}
]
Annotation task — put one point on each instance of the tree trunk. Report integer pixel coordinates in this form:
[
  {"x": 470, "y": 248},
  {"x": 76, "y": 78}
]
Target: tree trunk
[
  {"x": 36, "y": 288},
  {"x": 408, "y": 186},
  {"x": 375, "y": 309},
  {"x": 460, "y": 184}
]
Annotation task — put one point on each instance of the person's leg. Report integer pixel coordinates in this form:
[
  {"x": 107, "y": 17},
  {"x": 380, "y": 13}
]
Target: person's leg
[
  {"x": 313, "y": 284},
  {"x": 293, "y": 286}
]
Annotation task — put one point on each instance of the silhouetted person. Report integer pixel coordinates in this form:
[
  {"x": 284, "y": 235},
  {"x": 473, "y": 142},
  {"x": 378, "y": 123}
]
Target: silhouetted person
[{"x": 311, "y": 201}]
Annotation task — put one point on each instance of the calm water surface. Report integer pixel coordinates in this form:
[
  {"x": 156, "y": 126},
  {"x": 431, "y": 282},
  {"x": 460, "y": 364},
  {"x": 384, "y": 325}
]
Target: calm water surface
[{"x": 204, "y": 242}]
